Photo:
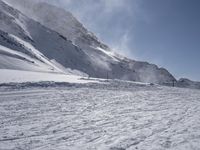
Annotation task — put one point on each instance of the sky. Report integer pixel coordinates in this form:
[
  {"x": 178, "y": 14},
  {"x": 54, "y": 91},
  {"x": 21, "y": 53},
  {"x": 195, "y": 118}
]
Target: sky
[{"x": 163, "y": 32}]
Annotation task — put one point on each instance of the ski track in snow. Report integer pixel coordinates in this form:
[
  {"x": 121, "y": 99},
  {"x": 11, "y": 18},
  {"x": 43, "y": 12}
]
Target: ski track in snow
[{"x": 81, "y": 118}]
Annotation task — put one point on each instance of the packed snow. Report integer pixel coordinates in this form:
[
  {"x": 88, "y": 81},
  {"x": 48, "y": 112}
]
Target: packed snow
[{"x": 115, "y": 115}]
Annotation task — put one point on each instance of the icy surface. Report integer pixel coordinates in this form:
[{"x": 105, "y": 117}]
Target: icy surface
[{"x": 115, "y": 116}]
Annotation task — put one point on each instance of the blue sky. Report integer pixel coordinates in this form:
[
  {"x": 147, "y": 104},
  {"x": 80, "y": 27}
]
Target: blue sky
[{"x": 164, "y": 32}]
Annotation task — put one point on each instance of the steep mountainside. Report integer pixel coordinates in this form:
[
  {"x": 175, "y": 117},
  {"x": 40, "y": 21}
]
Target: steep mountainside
[
  {"x": 59, "y": 20},
  {"x": 56, "y": 39}
]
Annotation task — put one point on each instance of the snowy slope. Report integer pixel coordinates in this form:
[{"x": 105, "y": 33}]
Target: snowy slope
[
  {"x": 115, "y": 116},
  {"x": 17, "y": 54},
  {"x": 90, "y": 56},
  {"x": 18, "y": 76}
]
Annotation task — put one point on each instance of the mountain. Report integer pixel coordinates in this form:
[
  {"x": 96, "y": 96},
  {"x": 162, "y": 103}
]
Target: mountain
[
  {"x": 183, "y": 82},
  {"x": 50, "y": 39},
  {"x": 59, "y": 20}
]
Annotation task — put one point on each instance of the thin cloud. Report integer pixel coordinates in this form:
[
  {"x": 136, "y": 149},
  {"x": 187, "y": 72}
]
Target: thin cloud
[
  {"x": 108, "y": 19},
  {"x": 123, "y": 45}
]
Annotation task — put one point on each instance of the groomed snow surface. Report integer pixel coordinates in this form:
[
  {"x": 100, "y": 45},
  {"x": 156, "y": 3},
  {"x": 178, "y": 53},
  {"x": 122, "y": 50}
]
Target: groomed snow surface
[{"x": 111, "y": 115}]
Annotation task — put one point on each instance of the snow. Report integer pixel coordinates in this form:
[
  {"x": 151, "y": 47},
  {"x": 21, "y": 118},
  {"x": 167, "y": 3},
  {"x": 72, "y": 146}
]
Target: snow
[
  {"x": 36, "y": 52},
  {"x": 12, "y": 59},
  {"x": 109, "y": 53},
  {"x": 114, "y": 116},
  {"x": 16, "y": 76},
  {"x": 4, "y": 49},
  {"x": 22, "y": 24}
]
